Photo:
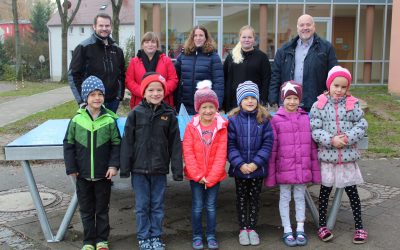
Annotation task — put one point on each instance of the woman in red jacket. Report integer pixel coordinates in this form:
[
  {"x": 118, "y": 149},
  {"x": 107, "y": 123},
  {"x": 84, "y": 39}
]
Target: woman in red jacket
[
  {"x": 150, "y": 59},
  {"x": 204, "y": 152}
]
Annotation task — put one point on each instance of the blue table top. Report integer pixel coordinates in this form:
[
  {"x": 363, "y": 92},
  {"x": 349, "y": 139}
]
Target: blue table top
[{"x": 52, "y": 133}]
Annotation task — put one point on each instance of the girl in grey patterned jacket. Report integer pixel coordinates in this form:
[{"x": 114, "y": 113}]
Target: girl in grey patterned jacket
[{"x": 337, "y": 124}]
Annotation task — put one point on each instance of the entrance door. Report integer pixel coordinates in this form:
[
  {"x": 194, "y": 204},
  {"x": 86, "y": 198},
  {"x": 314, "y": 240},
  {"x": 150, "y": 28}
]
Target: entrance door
[
  {"x": 213, "y": 25},
  {"x": 343, "y": 40},
  {"x": 323, "y": 27}
]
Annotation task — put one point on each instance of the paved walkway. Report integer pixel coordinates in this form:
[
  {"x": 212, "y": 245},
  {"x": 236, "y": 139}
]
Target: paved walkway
[
  {"x": 21, "y": 229},
  {"x": 25, "y": 106}
]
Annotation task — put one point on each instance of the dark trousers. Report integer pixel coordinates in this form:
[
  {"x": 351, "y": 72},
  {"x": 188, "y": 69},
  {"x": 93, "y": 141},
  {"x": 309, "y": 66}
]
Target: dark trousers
[
  {"x": 94, "y": 202},
  {"x": 112, "y": 105},
  {"x": 247, "y": 201}
]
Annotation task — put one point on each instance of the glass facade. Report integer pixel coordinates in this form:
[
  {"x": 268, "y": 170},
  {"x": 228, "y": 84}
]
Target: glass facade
[{"x": 358, "y": 29}]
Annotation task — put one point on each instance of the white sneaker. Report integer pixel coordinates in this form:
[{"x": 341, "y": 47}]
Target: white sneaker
[
  {"x": 244, "y": 238},
  {"x": 254, "y": 239}
]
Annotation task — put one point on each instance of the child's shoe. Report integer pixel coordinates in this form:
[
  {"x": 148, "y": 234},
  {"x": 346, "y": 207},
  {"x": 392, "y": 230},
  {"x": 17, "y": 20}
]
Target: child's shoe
[
  {"x": 103, "y": 245},
  {"x": 87, "y": 247},
  {"x": 289, "y": 240},
  {"x": 244, "y": 239},
  {"x": 360, "y": 236},
  {"x": 254, "y": 239},
  {"x": 212, "y": 243},
  {"x": 197, "y": 243},
  {"x": 301, "y": 238},
  {"x": 325, "y": 234},
  {"x": 145, "y": 244},
  {"x": 157, "y": 243}
]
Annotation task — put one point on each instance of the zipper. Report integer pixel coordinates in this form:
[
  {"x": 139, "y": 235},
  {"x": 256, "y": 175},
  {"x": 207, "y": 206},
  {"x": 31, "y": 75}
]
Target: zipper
[
  {"x": 91, "y": 153},
  {"x": 248, "y": 137},
  {"x": 338, "y": 131},
  {"x": 194, "y": 73}
]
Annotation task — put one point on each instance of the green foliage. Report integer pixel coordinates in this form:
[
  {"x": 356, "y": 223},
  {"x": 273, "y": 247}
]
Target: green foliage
[
  {"x": 4, "y": 59},
  {"x": 32, "y": 69},
  {"x": 64, "y": 111},
  {"x": 383, "y": 116},
  {"x": 129, "y": 50},
  {"x": 7, "y": 73},
  {"x": 31, "y": 88},
  {"x": 40, "y": 15}
]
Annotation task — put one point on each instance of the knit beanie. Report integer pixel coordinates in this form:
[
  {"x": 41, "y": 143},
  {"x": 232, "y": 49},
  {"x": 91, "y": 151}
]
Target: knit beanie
[
  {"x": 149, "y": 78},
  {"x": 91, "y": 84},
  {"x": 245, "y": 89},
  {"x": 291, "y": 88},
  {"x": 204, "y": 94},
  {"x": 338, "y": 71}
]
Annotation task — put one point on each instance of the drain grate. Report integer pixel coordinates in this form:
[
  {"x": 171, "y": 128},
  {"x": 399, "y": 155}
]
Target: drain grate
[{"x": 18, "y": 204}]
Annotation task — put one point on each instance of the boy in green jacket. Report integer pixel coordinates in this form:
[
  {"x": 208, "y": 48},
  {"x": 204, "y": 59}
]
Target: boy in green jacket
[{"x": 91, "y": 154}]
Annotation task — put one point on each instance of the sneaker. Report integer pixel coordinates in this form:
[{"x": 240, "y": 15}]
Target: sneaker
[
  {"x": 254, "y": 239},
  {"x": 244, "y": 239},
  {"x": 289, "y": 240},
  {"x": 87, "y": 247},
  {"x": 145, "y": 244},
  {"x": 103, "y": 245},
  {"x": 197, "y": 243},
  {"x": 301, "y": 238},
  {"x": 212, "y": 243},
  {"x": 325, "y": 234},
  {"x": 157, "y": 243},
  {"x": 360, "y": 236}
]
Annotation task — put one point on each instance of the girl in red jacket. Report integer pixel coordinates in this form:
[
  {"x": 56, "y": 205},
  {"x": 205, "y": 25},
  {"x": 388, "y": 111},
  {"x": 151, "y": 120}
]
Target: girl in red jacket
[{"x": 204, "y": 151}]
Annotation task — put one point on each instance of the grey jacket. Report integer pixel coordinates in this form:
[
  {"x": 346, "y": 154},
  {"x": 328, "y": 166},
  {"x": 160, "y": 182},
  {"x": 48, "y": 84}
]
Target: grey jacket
[{"x": 329, "y": 117}]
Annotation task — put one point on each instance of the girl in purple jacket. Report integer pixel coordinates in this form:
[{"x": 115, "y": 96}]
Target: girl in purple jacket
[
  {"x": 249, "y": 146},
  {"x": 293, "y": 161}
]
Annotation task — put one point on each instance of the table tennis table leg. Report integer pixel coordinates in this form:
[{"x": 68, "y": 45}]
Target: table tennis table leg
[
  {"x": 337, "y": 201},
  {"x": 69, "y": 214},
  {"x": 44, "y": 222},
  {"x": 312, "y": 207}
]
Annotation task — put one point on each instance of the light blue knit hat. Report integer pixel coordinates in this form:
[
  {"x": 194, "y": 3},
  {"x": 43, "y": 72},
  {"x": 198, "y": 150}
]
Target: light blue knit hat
[
  {"x": 91, "y": 84},
  {"x": 248, "y": 88}
]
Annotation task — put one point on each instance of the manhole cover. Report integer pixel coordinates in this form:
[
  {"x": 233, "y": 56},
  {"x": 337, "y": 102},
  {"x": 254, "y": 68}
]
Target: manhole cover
[
  {"x": 22, "y": 201},
  {"x": 362, "y": 192}
]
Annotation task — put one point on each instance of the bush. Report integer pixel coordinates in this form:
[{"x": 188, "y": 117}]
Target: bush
[{"x": 8, "y": 72}]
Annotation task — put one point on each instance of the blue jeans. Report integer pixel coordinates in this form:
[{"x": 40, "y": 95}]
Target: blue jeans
[
  {"x": 112, "y": 105},
  {"x": 149, "y": 204},
  {"x": 204, "y": 198}
]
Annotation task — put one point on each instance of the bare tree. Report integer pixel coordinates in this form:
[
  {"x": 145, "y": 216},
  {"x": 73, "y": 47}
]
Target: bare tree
[
  {"x": 65, "y": 23},
  {"x": 18, "y": 69},
  {"x": 116, "y": 8}
]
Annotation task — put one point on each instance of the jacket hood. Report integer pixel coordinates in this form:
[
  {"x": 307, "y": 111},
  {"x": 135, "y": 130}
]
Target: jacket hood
[
  {"x": 98, "y": 39},
  {"x": 281, "y": 111},
  {"x": 221, "y": 121},
  {"x": 103, "y": 111}
]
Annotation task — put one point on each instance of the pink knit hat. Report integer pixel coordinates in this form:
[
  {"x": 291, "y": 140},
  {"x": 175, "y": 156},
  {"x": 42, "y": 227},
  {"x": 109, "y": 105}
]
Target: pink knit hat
[
  {"x": 204, "y": 94},
  {"x": 338, "y": 71},
  {"x": 291, "y": 88}
]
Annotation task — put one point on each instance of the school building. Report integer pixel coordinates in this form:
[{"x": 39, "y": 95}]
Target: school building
[{"x": 360, "y": 30}]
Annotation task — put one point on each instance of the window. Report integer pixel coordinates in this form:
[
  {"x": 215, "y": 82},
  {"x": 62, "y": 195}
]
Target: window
[{"x": 82, "y": 30}]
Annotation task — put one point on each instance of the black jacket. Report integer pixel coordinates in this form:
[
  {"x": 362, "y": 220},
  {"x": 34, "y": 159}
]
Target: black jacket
[
  {"x": 255, "y": 67},
  {"x": 93, "y": 57},
  {"x": 321, "y": 57},
  {"x": 151, "y": 141}
]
